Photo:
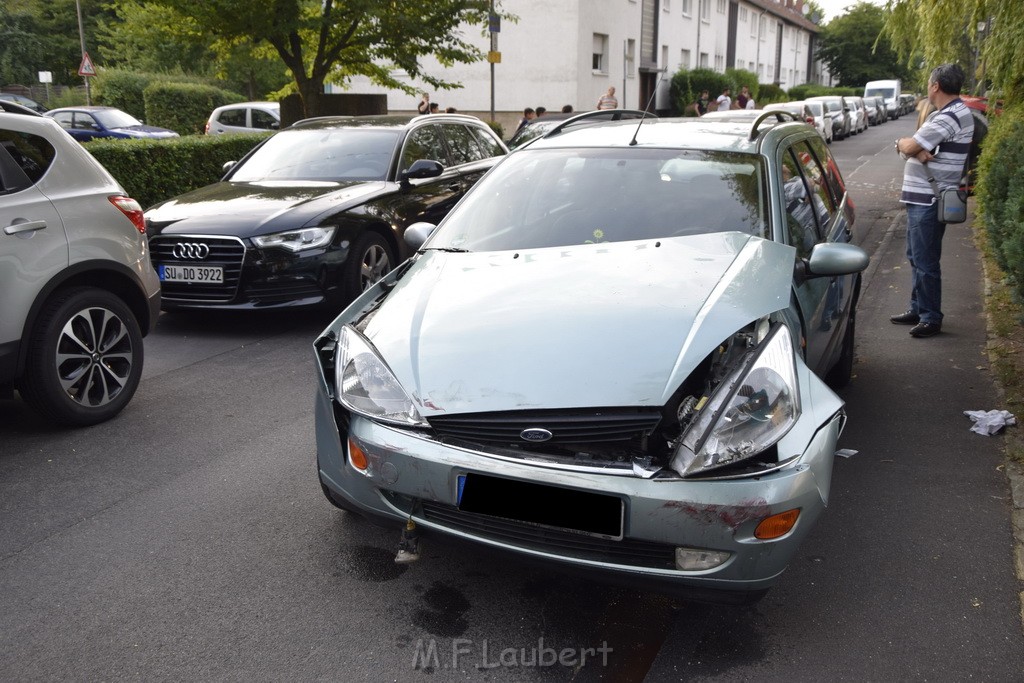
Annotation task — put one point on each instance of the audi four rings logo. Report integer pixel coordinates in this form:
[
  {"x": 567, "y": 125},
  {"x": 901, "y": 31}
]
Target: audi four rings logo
[
  {"x": 190, "y": 250},
  {"x": 536, "y": 434}
]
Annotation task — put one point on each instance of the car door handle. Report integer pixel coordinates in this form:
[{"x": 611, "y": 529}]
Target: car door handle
[{"x": 27, "y": 226}]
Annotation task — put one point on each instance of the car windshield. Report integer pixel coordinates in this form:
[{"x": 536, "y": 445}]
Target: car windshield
[
  {"x": 815, "y": 108},
  {"x": 115, "y": 118},
  {"x": 884, "y": 92},
  {"x": 321, "y": 154},
  {"x": 560, "y": 197}
]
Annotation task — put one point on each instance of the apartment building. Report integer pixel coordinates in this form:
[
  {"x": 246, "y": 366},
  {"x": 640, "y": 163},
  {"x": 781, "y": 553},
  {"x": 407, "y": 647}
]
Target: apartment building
[{"x": 571, "y": 51}]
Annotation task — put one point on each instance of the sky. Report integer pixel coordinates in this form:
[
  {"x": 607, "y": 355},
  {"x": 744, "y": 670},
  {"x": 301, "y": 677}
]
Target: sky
[{"x": 834, "y": 8}]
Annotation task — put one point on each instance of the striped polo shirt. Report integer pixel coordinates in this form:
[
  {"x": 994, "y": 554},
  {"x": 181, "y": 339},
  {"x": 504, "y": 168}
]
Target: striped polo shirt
[{"x": 947, "y": 135}]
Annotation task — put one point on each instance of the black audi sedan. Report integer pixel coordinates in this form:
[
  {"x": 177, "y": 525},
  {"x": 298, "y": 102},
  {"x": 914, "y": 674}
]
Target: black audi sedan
[{"x": 316, "y": 213}]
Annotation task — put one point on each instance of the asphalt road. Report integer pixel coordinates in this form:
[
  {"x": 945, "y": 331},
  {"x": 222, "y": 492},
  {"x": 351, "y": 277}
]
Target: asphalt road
[{"x": 188, "y": 538}]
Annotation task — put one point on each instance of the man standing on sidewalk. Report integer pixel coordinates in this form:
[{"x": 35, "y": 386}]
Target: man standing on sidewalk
[{"x": 943, "y": 143}]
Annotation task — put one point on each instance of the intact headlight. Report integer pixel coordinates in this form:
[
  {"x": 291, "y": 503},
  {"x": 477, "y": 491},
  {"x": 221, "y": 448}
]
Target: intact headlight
[
  {"x": 365, "y": 385},
  {"x": 749, "y": 412},
  {"x": 297, "y": 240}
]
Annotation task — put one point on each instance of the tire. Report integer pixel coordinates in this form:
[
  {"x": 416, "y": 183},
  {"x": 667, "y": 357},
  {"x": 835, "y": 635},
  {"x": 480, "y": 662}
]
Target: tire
[
  {"x": 369, "y": 259},
  {"x": 85, "y": 358},
  {"x": 841, "y": 373}
]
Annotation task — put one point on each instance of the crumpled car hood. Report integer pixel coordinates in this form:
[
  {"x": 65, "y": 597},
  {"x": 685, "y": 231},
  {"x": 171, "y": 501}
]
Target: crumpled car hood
[{"x": 599, "y": 325}]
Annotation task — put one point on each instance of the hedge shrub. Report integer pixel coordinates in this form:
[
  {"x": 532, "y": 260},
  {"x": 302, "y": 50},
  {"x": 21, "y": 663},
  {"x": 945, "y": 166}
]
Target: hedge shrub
[
  {"x": 685, "y": 87},
  {"x": 122, "y": 89},
  {"x": 1000, "y": 191},
  {"x": 184, "y": 107},
  {"x": 154, "y": 170},
  {"x": 772, "y": 93}
]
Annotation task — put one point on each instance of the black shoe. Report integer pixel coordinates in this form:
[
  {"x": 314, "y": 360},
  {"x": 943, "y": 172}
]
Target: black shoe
[
  {"x": 908, "y": 318},
  {"x": 925, "y": 329}
]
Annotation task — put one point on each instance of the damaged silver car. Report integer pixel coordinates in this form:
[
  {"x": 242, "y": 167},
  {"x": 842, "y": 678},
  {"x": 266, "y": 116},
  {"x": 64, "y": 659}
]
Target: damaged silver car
[{"x": 611, "y": 355}]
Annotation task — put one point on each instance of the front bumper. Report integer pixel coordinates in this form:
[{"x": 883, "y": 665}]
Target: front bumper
[
  {"x": 253, "y": 278},
  {"x": 413, "y": 476}
]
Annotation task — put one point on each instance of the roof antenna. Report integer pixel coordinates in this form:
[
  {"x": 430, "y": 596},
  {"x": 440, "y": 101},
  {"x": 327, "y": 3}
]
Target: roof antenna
[{"x": 650, "y": 103}]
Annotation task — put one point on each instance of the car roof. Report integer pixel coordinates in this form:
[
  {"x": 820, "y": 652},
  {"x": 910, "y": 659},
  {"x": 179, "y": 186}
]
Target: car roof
[
  {"x": 676, "y": 133},
  {"x": 272, "y": 105},
  {"x": 83, "y": 107},
  {"x": 380, "y": 121},
  {"x": 12, "y": 107}
]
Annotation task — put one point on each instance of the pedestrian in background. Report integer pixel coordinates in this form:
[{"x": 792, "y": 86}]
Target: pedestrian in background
[
  {"x": 540, "y": 111},
  {"x": 742, "y": 98},
  {"x": 567, "y": 109},
  {"x": 724, "y": 101},
  {"x": 942, "y": 143},
  {"x": 608, "y": 101},
  {"x": 424, "y": 105},
  {"x": 702, "y": 103},
  {"x": 528, "y": 115}
]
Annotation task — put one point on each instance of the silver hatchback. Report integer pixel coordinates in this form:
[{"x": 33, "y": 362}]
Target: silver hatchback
[{"x": 77, "y": 291}]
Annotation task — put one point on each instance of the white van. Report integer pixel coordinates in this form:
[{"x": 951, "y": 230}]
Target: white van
[{"x": 890, "y": 90}]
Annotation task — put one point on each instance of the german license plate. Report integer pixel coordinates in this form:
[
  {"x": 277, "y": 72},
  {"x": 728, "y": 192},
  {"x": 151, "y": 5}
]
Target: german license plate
[
  {"x": 189, "y": 273},
  {"x": 584, "y": 512}
]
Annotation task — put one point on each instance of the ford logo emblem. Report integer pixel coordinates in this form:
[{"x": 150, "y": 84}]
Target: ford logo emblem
[{"x": 535, "y": 434}]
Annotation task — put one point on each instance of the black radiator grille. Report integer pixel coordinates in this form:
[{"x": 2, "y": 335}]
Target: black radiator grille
[
  {"x": 229, "y": 253},
  {"x": 566, "y": 427}
]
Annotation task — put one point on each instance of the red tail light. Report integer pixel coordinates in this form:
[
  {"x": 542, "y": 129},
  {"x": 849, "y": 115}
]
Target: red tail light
[
  {"x": 810, "y": 120},
  {"x": 130, "y": 208}
]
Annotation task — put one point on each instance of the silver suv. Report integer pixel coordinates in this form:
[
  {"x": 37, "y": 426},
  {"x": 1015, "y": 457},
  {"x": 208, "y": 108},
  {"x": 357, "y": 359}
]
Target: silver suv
[{"x": 77, "y": 291}]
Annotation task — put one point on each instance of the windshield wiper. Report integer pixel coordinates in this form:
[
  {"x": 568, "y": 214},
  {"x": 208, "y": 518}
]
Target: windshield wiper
[{"x": 450, "y": 250}]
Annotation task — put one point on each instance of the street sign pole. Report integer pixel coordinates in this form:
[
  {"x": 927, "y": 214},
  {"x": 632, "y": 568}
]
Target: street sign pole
[
  {"x": 85, "y": 57},
  {"x": 493, "y": 26}
]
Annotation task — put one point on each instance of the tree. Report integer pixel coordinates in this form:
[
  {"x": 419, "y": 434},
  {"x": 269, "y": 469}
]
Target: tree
[
  {"x": 330, "y": 41},
  {"x": 855, "y": 50},
  {"x": 925, "y": 26}
]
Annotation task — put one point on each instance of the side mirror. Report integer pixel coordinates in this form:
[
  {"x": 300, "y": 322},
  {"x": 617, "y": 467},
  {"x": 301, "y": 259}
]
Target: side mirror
[
  {"x": 421, "y": 168},
  {"x": 417, "y": 233},
  {"x": 228, "y": 165},
  {"x": 275, "y": 125},
  {"x": 832, "y": 259}
]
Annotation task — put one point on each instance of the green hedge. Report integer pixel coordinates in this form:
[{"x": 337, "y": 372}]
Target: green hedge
[
  {"x": 1000, "y": 191},
  {"x": 686, "y": 86},
  {"x": 122, "y": 89},
  {"x": 154, "y": 170},
  {"x": 184, "y": 107}
]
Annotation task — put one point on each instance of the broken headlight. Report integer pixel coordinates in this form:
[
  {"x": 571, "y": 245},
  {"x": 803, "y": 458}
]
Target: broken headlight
[
  {"x": 365, "y": 385},
  {"x": 752, "y": 408}
]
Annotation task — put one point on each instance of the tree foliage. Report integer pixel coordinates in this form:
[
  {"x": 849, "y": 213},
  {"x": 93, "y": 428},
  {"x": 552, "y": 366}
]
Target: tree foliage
[
  {"x": 937, "y": 30},
  {"x": 330, "y": 41},
  {"x": 855, "y": 50}
]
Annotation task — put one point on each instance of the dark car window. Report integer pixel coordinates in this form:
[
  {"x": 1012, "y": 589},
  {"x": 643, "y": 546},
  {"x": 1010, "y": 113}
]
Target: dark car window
[
  {"x": 559, "y": 197},
  {"x": 801, "y": 222},
  {"x": 321, "y": 154},
  {"x": 835, "y": 182},
  {"x": 815, "y": 175},
  {"x": 424, "y": 143},
  {"x": 262, "y": 120},
  {"x": 463, "y": 144},
  {"x": 84, "y": 122},
  {"x": 488, "y": 142},
  {"x": 26, "y": 159},
  {"x": 115, "y": 118},
  {"x": 232, "y": 117},
  {"x": 66, "y": 119}
]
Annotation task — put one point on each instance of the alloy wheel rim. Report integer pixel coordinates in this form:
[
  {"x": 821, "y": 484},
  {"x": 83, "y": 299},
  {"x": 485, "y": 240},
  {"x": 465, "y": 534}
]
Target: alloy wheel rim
[
  {"x": 375, "y": 265},
  {"x": 94, "y": 357}
]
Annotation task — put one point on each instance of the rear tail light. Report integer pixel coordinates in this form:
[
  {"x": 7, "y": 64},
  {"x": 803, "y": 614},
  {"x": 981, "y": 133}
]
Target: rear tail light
[
  {"x": 810, "y": 120},
  {"x": 132, "y": 210},
  {"x": 206, "y": 128}
]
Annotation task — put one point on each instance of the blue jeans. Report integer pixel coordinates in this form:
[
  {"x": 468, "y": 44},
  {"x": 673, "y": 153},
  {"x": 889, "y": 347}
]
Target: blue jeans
[{"x": 924, "y": 250}]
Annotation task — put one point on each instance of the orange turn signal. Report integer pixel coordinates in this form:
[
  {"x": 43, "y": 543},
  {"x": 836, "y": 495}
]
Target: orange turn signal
[
  {"x": 776, "y": 525},
  {"x": 357, "y": 457}
]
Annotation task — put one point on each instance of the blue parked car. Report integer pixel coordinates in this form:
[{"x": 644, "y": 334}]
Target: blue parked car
[{"x": 87, "y": 123}]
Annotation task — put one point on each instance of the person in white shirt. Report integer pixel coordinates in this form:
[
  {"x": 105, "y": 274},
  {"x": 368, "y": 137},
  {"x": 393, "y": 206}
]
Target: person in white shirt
[{"x": 724, "y": 101}]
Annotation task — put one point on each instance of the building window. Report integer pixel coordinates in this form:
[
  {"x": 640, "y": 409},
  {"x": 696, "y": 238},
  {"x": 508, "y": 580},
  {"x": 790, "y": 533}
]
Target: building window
[
  {"x": 600, "y": 60},
  {"x": 684, "y": 59},
  {"x": 703, "y": 60},
  {"x": 743, "y": 13},
  {"x": 753, "y": 67},
  {"x": 666, "y": 5},
  {"x": 754, "y": 24},
  {"x": 719, "y": 63},
  {"x": 631, "y": 58},
  {"x": 664, "y": 57},
  {"x": 721, "y": 6},
  {"x": 760, "y": 72},
  {"x": 687, "y": 7},
  {"x": 705, "y": 10}
]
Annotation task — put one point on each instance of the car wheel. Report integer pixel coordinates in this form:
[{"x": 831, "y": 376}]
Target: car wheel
[
  {"x": 841, "y": 373},
  {"x": 85, "y": 358},
  {"x": 369, "y": 260}
]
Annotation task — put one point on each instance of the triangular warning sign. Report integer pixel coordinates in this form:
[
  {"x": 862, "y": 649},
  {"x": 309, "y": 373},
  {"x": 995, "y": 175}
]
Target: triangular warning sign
[{"x": 86, "y": 69}]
